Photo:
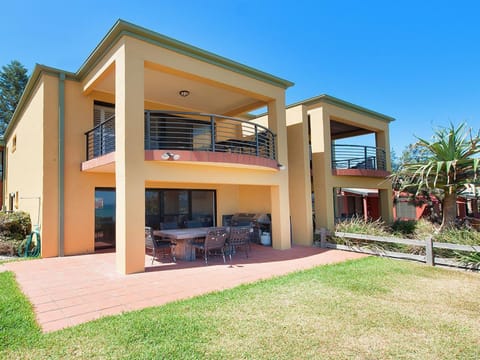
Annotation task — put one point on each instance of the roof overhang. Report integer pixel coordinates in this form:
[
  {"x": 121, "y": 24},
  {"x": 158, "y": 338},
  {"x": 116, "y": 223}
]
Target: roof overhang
[
  {"x": 124, "y": 28},
  {"x": 327, "y": 99}
]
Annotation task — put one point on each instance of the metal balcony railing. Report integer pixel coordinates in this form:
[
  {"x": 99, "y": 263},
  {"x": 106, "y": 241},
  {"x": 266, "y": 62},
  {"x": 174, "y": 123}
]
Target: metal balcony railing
[
  {"x": 101, "y": 139},
  {"x": 358, "y": 157},
  {"x": 168, "y": 130}
]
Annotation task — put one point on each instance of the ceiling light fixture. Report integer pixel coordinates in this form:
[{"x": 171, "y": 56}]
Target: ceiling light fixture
[{"x": 184, "y": 93}]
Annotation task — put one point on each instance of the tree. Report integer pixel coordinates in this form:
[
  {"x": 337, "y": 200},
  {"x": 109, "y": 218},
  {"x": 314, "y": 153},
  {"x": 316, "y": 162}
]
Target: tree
[
  {"x": 13, "y": 79},
  {"x": 446, "y": 165},
  {"x": 394, "y": 160}
]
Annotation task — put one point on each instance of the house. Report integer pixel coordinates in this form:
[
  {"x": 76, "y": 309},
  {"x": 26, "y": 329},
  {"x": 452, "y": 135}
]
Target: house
[
  {"x": 148, "y": 130},
  {"x": 152, "y": 131},
  {"x": 341, "y": 146},
  {"x": 339, "y": 161}
]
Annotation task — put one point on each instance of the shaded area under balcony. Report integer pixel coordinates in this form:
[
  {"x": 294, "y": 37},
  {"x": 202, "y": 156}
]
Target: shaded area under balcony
[
  {"x": 358, "y": 160},
  {"x": 187, "y": 136}
]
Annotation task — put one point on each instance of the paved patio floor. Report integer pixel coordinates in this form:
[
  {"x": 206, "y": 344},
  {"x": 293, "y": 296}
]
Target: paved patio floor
[{"x": 75, "y": 289}]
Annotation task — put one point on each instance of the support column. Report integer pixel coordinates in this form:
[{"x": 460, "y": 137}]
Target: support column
[
  {"x": 382, "y": 141},
  {"x": 299, "y": 176},
  {"x": 365, "y": 208},
  {"x": 279, "y": 193},
  {"x": 322, "y": 168},
  {"x": 129, "y": 160},
  {"x": 385, "y": 198}
]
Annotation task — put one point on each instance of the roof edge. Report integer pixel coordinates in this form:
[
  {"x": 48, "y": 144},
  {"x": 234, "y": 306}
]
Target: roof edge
[
  {"x": 27, "y": 92},
  {"x": 343, "y": 104},
  {"x": 121, "y": 28}
]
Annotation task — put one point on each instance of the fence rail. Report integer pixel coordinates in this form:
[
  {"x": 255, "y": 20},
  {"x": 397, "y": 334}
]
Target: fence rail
[{"x": 429, "y": 245}]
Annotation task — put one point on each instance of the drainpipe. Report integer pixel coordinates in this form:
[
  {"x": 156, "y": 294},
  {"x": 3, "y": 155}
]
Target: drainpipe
[{"x": 61, "y": 165}]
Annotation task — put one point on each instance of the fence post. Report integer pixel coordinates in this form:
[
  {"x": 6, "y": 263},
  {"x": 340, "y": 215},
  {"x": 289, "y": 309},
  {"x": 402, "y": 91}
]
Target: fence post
[
  {"x": 323, "y": 238},
  {"x": 429, "y": 256}
]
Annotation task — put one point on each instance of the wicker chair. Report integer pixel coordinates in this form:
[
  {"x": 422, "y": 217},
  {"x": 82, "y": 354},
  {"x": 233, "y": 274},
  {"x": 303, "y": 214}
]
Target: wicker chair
[
  {"x": 215, "y": 239},
  {"x": 156, "y": 245},
  {"x": 239, "y": 236}
]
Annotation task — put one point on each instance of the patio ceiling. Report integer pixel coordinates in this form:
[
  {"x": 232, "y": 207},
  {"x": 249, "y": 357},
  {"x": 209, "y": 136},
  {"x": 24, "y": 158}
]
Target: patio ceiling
[
  {"x": 340, "y": 130},
  {"x": 163, "y": 88}
]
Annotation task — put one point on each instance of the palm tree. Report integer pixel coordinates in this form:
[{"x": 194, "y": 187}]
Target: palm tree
[{"x": 448, "y": 166}]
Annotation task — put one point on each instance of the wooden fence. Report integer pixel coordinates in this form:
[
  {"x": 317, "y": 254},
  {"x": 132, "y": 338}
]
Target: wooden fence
[{"x": 429, "y": 245}]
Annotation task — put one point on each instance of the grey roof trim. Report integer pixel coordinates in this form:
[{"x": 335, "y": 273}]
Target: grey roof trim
[{"x": 343, "y": 104}]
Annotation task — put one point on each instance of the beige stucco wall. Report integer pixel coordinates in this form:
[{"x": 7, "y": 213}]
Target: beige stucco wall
[
  {"x": 24, "y": 165},
  {"x": 79, "y": 214},
  {"x": 32, "y": 170}
]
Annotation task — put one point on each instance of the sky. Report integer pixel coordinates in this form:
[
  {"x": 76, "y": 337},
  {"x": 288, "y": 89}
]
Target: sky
[{"x": 416, "y": 61}]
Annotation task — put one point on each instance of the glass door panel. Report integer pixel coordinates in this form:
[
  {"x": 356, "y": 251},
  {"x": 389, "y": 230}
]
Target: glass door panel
[{"x": 104, "y": 219}]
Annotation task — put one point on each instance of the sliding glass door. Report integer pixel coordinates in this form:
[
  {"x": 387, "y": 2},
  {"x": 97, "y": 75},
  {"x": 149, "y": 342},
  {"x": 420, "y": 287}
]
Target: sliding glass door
[
  {"x": 104, "y": 218},
  {"x": 179, "y": 208}
]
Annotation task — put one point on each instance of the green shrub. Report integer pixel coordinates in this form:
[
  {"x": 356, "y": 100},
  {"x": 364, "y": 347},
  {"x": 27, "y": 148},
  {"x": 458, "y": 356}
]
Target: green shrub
[
  {"x": 462, "y": 236},
  {"x": 14, "y": 228},
  {"x": 358, "y": 225},
  {"x": 404, "y": 227}
]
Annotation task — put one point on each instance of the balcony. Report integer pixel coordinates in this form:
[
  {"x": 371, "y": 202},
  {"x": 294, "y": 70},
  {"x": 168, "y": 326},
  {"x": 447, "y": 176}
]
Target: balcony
[
  {"x": 190, "y": 132},
  {"x": 358, "y": 160}
]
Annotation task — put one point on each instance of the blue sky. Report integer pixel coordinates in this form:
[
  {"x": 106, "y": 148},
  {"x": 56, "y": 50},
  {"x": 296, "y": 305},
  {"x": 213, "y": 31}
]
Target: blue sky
[{"x": 417, "y": 61}]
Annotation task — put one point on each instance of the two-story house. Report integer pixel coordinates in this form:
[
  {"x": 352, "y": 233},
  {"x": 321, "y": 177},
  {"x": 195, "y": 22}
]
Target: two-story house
[
  {"x": 152, "y": 131},
  {"x": 148, "y": 130}
]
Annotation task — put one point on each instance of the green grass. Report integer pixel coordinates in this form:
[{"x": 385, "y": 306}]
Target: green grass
[{"x": 371, "y": 308}]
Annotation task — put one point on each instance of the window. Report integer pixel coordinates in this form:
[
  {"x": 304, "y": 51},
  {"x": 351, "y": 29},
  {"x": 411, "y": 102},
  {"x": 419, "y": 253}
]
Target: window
[
  {"x": 102, "y": 111},
  {"x": 104, "y": 123},
  {"x": 179, "y": 208}
]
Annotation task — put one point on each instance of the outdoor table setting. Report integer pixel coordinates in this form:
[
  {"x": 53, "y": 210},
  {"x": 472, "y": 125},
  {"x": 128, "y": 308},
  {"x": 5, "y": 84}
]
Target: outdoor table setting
[{"x": 183, "y": 238}]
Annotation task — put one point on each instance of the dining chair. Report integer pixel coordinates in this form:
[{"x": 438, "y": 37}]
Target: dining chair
[
  {"x": 215, "y": 239},
  {"x": 239, "y": 236},
  {"x": 156, "y": 245}
]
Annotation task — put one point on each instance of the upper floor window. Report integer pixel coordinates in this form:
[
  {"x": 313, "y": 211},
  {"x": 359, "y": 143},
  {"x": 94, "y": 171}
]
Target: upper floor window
[{"x": 102, "y": 111}]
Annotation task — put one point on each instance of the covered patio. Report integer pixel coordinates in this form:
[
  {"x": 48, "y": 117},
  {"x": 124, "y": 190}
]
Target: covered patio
[{"x": 67, "y": 291}]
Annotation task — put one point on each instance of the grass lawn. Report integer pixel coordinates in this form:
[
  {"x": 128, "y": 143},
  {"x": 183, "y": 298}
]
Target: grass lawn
[{"x": 371, "y": 308}]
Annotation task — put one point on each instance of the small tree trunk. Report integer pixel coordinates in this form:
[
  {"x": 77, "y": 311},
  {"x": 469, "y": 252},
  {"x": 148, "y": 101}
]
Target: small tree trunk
[{"x": 449, "y": 209}]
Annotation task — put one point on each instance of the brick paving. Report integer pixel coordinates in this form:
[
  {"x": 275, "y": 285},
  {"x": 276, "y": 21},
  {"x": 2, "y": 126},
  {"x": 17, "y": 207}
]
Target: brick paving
[{"x": 75, "y": 289}]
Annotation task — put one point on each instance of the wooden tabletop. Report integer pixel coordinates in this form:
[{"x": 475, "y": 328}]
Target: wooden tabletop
[{"x": 182, "y": 234}]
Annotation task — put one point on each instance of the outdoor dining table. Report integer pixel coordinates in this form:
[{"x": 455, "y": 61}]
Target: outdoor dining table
[{"x": 183, "y": 238}]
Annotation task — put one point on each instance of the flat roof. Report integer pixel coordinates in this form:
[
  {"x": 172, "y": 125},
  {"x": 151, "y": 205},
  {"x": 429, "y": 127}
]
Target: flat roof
[
  {"x": 124, "y": 28},
  {"x": 324, "y": 98}
]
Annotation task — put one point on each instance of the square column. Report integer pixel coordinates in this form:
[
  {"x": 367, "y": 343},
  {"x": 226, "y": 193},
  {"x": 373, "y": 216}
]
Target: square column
[
  {"x": 279, "y": 193},
  {"x": 382, "y": 141},
  {"x": 322, "y": 168},
  {"x": 386, "y": 204},
  {"x": 299, "y": 176},
  {"x": 129, "y": 160}
]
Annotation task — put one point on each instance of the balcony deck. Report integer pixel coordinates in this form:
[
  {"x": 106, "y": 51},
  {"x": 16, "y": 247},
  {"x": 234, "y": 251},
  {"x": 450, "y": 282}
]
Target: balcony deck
[
  {"x": 359, "y": 160},
  {"x": 187, "y": 136}
]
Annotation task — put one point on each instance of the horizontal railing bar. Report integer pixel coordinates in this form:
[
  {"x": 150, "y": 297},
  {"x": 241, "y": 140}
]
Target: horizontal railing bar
[{"x": 188, "y": 130}]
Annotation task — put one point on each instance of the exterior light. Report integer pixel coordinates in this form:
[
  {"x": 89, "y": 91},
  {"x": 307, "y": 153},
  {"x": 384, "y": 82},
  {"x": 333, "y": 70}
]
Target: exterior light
[
  {"x": 281, "y": 167},
  {"x": 184, "y": 93},
  {"x": 170, "y": 156}
]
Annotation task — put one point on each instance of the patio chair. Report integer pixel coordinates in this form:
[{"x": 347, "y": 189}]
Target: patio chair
[
  {"x": 239, "y": 236},
  {"x": 215, "y": 239},
  {"x": 156, "y": 245}
]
